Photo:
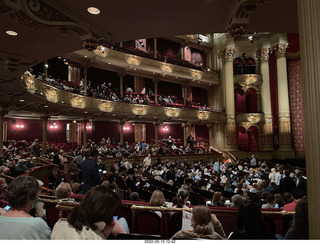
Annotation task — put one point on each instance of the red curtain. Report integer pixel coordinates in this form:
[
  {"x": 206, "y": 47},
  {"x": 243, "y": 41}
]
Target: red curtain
[
  {"x": 251, "y": 101},
  {"x": 253, "y": 139}
]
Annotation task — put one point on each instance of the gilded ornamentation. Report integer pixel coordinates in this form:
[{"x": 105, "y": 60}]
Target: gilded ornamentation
[
  {"x": 237, "y": 30},
  {"x": 284, "y": 115},
  {"x": 51, "y": 94},
  {"x": 133, "y": 60},
  {"x": 203, "y": 115},
  {"x": 166, "y": 68},
  {"x": 263, "y": 54},
  {"x": 172, "y": 112},
  {"x": 106, "y": 106},
  {"x": 138, "y": 109},
  {"x": 100, "y": 50},
  {"x": 29, "y": 81},
  {"x": 78, "y": 102},
  {"x": 267, "y": 137},
  {"x": 285, "y": 133},
  {"x": 280, "y": 50},
  {"x": 196, "y": 74},
  {"x": 90, "y": 44},
  {"x": 231, "y": 117},
  {"x": 227, "y": 55},
  {"x": 249, "y": 81}
]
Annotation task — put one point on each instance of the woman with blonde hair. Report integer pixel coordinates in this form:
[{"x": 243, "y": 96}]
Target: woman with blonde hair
[
  {"x": 202, "y": 221},
  {"x": 157, "y": 200}
]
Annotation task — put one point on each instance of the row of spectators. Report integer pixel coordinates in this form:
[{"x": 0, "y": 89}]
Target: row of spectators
[{"x": 107, "y": 92}]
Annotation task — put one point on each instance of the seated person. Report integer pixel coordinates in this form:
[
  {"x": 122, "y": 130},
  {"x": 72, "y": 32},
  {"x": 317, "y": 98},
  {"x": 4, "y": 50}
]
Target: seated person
[
  {"x": 17, "y": 223},
  {"x": 92, "y": 219},
  {"x": 200, "y": 222}
]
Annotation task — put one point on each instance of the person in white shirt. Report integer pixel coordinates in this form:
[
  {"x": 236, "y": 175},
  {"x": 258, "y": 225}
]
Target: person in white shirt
[{"x": 147, "y": 161}]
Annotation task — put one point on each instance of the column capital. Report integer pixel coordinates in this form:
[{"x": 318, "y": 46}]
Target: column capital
[
  {"x": 227, "y": 54},
  {"x": 280, "y": 50},
  {"x": 263, "y": 54}
]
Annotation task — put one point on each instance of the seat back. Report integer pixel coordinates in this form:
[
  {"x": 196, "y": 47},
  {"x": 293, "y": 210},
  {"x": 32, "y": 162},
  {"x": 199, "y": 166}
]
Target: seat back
[
  {"x": 148, "y": 222},
  {"x": 175, "y": 223}
]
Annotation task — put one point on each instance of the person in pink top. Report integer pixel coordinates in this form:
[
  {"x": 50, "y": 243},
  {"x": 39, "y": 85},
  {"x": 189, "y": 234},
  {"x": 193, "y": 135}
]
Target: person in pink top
[{"x": 297, "y": 193}]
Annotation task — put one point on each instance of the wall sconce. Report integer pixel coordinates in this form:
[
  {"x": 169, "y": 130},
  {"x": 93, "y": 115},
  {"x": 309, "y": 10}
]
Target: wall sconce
[
  {"x": 165, "y": 128},
  {"x": 53, "y": 125},
  {"x": 89, "y": 125},
  {"x": 126, "y": 128},
  {"x": 20, "y": 126}
]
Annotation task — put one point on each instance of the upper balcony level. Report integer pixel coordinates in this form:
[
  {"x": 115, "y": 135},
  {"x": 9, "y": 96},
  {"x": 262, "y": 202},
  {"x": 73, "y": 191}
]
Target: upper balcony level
[{"x": 67, "y": 103}]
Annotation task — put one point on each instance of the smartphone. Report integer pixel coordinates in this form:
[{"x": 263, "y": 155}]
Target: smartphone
[
  {"x": 7, "y": 207},
  {"x": 115, "y": 218},
  {"x": 276, "y": 205},
  {"x": 100, "y": 170},
  {"x": 138, "y": 183}
]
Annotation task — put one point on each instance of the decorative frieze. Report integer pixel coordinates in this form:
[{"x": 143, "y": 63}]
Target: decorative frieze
[
  {"x": 138, "y": 109},
  {"x": 51, "y": 94},
  {"x": 106, "y": 106},
  {"x": 78, "y": 101},
  {"x": 172, "y": 112},
  {"x": 203, "y": 115}
]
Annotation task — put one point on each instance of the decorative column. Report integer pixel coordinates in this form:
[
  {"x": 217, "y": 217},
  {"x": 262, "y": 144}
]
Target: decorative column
[
  {"x": 121, "y": 132},
  {"x": 227, "y": 56},
  {"x": 44, "y": 134},
  {"x": 121, "y": 83},
  {"x": 309, "y": 34},
  {"x": 285, "y": 140},
  {"x": 155, "y": 90},
  {"x": 184, "y": 93},
  {"x": 84, "y": 132},
  {"x": 267, "y": 133},
  {"x": 185, "y": 134},
  {"x": 2, "y": 114},
  {"x": 155, "y": 51},
  {"x": 156, "y": 137},
  {"x": 85, "y": 79}
]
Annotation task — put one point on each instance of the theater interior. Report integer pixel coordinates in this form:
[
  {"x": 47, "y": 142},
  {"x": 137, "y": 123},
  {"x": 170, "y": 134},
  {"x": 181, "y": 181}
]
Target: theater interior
[{"x": 239, "y": 76}]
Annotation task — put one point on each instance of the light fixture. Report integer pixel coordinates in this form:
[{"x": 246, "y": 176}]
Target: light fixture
[
  {"x": 85, "y": 112},
  {"x": 20, "y": 126},
  {"x": 85, "y": 56},
  {"x": 93, "y": 10},
  {"x": 11, "y": 33},
  {"x": 53, "y": 125},
  {"x": 45, "y": 106},
  {"x": 165, "y": 128},
  {"x": 21, "y": 100},
  {"x": 109, "y": 63},
  {"x": 46, "y": 65}
]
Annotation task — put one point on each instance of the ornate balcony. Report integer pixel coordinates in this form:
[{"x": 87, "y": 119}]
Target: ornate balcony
[{"x": 106, "y": 109}]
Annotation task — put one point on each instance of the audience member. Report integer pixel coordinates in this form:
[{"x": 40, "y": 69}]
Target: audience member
[
  {"x": 200, "y": 222},
  {"x": 92, "y": 219},
  {"x": 17, "y": 223}
]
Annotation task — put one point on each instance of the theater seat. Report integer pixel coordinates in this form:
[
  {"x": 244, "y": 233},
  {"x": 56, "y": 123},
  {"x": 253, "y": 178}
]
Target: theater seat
[
  {"x": 175, "y": 223},
  {"x": 148, "y": 222}
]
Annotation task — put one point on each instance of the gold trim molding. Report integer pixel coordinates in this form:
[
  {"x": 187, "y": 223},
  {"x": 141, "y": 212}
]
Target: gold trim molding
[
  {"x": 77, "y": 101},
  {"x": 139, "y": 109},
  {"x": 106, "y": 106}
]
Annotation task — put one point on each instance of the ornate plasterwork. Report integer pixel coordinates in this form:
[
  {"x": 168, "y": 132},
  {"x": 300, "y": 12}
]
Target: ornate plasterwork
[
  {"x": 285, "y": 133},
  {"x": 51, "y": 94},
  {"x": 196, "y": 74},
  {"x": 133, "y": 60},
  {"x": 231, "y": 133},
  {"x": 263, "y": 54},
  {"x": 138, "y": 109},
  {"x": 166, "y": 68},
  {"x": 249, "y": 81},
  {"x": 29, "y": 81},
  {"x": 227, "y": 54},
  {"x": 267, "y": 135},
  {"x": 172, "y": 112},
  {"x": 284, "y": 116},
  {"x": 106, "y": 106},
  {"x": 239, "y": 15},
  {"x": 253, "y": 118},
  {"x": 203, "y": 115},
  {"x": 100, "y": 50},
  {"x": 280, "y": 50},
  {"x": 78, "y": 101}
]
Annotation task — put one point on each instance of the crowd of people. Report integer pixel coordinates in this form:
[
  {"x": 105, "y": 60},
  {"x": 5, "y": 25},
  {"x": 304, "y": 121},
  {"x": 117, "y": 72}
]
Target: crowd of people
[
  {"x": 249, "y": 184},
  {"x": 107, "y": 92}
]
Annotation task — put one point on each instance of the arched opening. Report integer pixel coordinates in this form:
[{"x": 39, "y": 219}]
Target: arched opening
[{"x": 242, "y": 138}]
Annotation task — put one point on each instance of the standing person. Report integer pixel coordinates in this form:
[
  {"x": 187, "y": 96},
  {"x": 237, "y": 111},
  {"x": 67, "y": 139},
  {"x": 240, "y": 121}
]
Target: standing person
[
  {"x": 301, "y": 182},
  {"x": 90, "y": 171},
  {"x": 253, "y": 161},
  {"x": 35, "y": 148},
  {"x": 286, "y": 183},
  {"x": 17, "y": 223},
  {"x": 147, "y": 161}
]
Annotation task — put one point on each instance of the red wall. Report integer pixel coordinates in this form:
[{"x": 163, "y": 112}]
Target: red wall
[{"x": 33, "y": 129}]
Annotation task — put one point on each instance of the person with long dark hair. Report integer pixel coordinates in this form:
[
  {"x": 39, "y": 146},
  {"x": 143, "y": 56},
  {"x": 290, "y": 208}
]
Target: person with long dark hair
[
  {"x": 300, "y": 226},
  {"x": 92, "y": 219},
  {"x": 250, "y": 223}
]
